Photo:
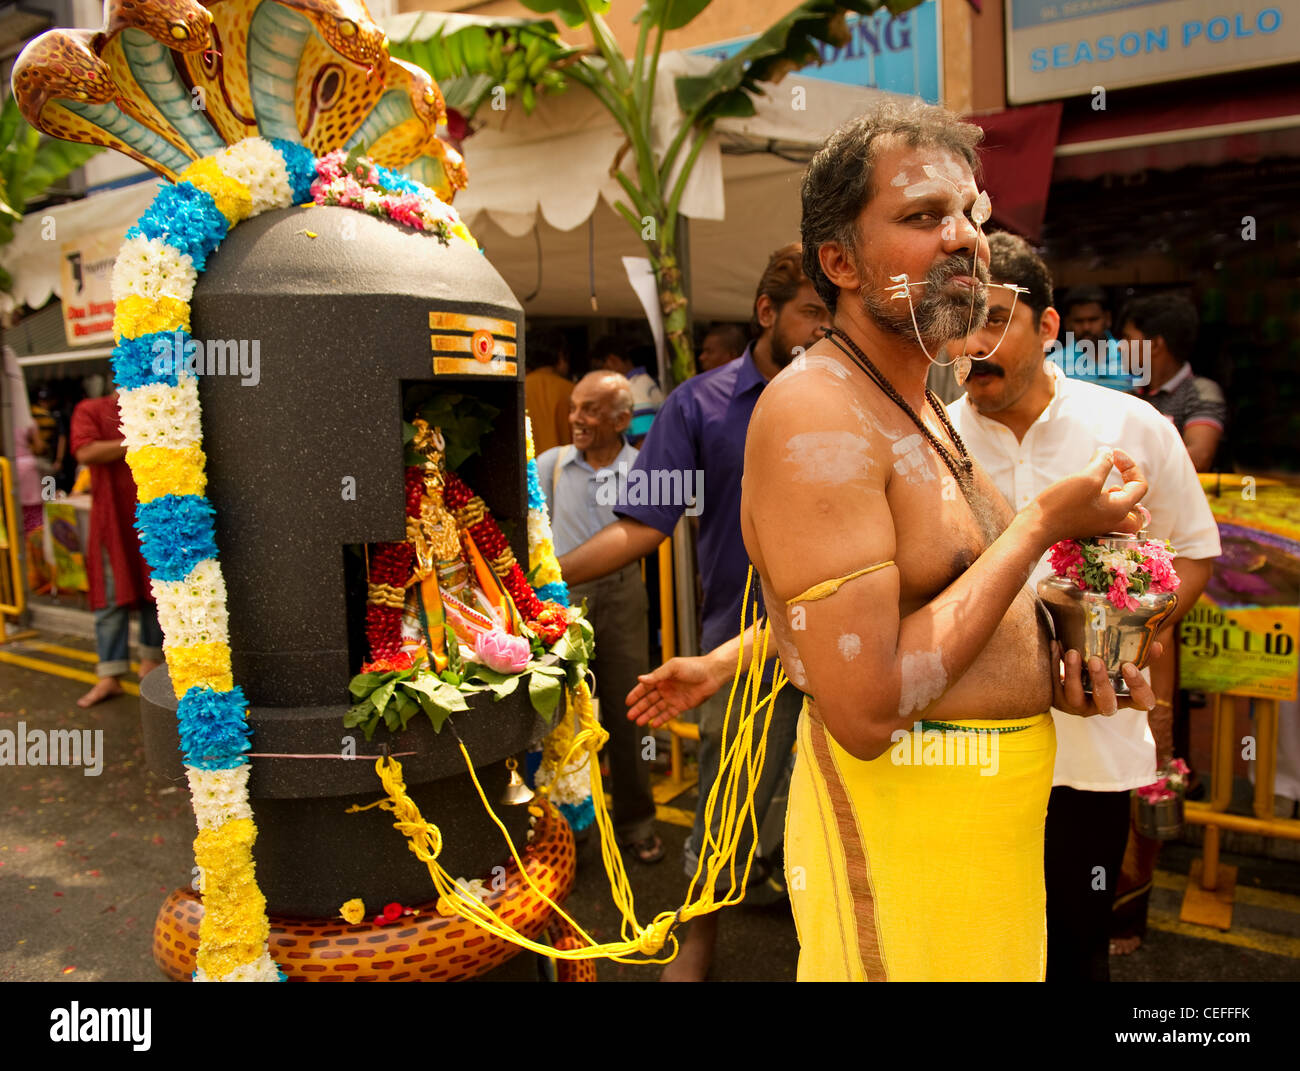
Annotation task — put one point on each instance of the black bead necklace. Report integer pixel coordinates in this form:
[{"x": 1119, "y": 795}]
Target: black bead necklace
[{"x": 960, "y": 466}]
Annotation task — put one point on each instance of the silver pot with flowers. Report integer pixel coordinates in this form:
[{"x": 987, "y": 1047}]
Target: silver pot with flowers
[
  {"x": 1158, "y": 807},
  {"x": 1109, "y": 597}
]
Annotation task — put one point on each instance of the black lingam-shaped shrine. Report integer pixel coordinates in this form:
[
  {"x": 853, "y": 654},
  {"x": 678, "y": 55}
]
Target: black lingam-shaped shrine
[{"x": 309, "y": 461}]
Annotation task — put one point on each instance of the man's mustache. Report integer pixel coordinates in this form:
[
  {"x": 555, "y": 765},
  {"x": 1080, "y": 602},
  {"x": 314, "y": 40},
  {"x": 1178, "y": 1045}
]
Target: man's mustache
[{"x": 958, "y": 265}]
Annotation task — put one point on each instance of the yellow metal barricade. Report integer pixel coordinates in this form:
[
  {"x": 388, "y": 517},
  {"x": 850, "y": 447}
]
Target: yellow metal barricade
[
  {"x": 1210, "y": 886},
  {"x": 13, "y": 593},
  {"x": 677, "y": 781}
]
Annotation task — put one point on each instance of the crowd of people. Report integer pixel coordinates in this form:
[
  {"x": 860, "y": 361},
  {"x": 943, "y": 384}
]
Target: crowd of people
[
  {"x": 896, "y": 542},
  {"x": 897, "y": 517}
]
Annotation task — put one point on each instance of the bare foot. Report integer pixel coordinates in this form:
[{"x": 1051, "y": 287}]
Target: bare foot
[
  {"x": 695, "y": 955},
  {"x": 105, "y": 688},
  {"x": 1124, "y": 946},
  {"x": 146, "y": 667}
]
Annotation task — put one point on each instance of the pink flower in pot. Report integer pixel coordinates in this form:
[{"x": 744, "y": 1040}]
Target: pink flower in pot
[{"x": 501, "y": 651}]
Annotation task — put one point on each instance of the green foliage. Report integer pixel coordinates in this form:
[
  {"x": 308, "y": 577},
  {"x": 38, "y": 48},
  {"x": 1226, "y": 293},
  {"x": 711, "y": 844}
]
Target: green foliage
[
  {"x": 470, "y": 57},
  {"x": 395, "y": 696},
  {"x": 671, "y": 14},
  {"x": 787, "y": 45},
  {"x": 571, "y": 11},
  {"x": 29, "y": 165},
  {"x": 464, "y": 421}
]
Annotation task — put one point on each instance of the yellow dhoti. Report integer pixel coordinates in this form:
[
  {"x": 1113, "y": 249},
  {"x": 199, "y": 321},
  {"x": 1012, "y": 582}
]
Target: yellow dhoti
[{"x": 926, "y": 863}]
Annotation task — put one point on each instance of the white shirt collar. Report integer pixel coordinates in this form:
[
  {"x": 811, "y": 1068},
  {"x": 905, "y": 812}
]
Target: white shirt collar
[
  {"x": 1170, "y": 384},
  {"x": 1059, "y": 379}
]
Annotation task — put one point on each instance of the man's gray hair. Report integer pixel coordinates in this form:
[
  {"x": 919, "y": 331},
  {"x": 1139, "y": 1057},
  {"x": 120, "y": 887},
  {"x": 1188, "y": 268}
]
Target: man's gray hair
[
  {"x": 621, "y": 390},
  {"x": 837, "y": 185}
]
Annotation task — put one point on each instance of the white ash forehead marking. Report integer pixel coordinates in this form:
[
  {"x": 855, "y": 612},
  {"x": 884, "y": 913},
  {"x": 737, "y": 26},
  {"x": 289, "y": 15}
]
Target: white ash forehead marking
[
  {"x": 926, "y": 188},
  {"x": 829, "y": 456},
  {"x": 923, "y": 680},
  {"x": 945, "y": 176},
  {"x": 850, "y": 646},
  {"x": 912, "y": 463}
]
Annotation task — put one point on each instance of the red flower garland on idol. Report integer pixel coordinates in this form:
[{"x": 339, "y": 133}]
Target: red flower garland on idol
[
  {"x": 390, "y": 569},
  {"x": 472, "y": 514}
]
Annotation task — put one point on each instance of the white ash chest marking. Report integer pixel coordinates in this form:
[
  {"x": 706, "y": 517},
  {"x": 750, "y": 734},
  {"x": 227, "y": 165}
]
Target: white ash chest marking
[{"x": 833, "y": 457}]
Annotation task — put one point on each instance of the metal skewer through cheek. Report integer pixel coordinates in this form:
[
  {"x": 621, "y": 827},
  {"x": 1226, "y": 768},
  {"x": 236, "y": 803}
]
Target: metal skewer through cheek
[
  {"x": 980, "y": 212},
  {"x": 902, "y": 289}
]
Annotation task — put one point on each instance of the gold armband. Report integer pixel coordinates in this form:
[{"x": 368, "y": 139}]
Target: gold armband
[{"x": 830, "y": 587}]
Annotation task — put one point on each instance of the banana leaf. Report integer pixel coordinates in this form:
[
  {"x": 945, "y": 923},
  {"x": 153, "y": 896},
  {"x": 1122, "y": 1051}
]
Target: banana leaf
[
  {"x": 569, "y": 10},
  {"x": 671, "y": 14},
  {"x": 786, "y": 45}
]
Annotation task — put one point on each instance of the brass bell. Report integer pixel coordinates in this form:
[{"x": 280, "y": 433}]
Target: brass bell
[{"x": 516, "y": 791}]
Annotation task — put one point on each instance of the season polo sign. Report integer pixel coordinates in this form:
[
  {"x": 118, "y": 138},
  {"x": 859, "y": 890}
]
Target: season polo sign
[{"x": 1068, "y": 48}]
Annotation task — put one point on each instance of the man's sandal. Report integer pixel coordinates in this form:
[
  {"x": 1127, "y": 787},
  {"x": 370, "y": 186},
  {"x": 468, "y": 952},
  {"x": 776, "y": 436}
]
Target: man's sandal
[{"x": 650, "y": 850}]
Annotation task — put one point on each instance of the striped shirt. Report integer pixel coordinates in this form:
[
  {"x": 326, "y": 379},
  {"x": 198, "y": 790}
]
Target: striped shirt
[{"x": 1187, "y": 400}]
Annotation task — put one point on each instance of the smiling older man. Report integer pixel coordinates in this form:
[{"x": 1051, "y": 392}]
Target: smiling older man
[{"x": 576, "y": 480}]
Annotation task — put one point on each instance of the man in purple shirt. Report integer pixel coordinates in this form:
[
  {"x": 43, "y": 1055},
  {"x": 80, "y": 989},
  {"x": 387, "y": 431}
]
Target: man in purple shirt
[{"x": 700, "y": 429}]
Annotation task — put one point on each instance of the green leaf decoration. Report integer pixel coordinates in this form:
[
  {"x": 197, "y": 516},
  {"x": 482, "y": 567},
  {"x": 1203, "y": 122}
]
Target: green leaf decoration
[
  {"x": 478, "y": 671},
  {"x": 437, "y": 715},
  {"x": 364, "y": 683},
  {"x": 406, "y": 707},
  {"x": 464, "y": 420},
  {"x": 439, "y": 691},
  {"x": 381, "y": 696},
  {"x": 358, "y": 715},
  {"x": 455, "y": 664},
  {"x": 544, "y": 691}
]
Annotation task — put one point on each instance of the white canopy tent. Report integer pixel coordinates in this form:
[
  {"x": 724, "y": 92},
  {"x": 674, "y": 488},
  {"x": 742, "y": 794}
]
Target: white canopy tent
[{"x": 541, "y": 191}]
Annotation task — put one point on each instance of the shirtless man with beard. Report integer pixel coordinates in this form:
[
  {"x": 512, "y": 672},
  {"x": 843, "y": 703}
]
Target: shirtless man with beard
[{"x": 894, "y": 578}]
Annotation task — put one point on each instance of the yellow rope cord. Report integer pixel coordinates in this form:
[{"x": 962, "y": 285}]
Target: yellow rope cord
[
  {"x": 830, "y": 587},
  {"x": 639, "y": 943}
]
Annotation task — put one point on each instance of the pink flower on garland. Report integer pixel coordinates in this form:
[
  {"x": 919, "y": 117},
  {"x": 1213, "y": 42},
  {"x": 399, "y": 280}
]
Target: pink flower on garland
[
  {"x": 1065, "y": 558},
  {"x": 1159, "y": 563},
  {"x": 1118, "y": 595}
]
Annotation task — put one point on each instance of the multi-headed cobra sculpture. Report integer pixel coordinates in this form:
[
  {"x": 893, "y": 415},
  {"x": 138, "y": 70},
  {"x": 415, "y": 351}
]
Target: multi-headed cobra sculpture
[{"x": 170, "y": 81}]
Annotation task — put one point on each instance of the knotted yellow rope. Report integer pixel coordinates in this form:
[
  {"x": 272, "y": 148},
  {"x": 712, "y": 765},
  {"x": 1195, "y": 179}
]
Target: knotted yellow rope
[{"x": 639, "y": 944}]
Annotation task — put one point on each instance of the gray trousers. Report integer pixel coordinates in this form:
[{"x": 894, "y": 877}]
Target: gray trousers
[
  {"x": 619, "y": 614},
  {"x": 772, "y": 779}
]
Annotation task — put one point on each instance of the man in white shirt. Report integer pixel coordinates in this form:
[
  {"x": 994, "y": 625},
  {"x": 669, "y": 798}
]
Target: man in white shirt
[{"x": 1029, "y": 425}]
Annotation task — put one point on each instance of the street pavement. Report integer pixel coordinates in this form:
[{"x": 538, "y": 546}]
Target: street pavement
[{"x": 85, "y": 862}]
